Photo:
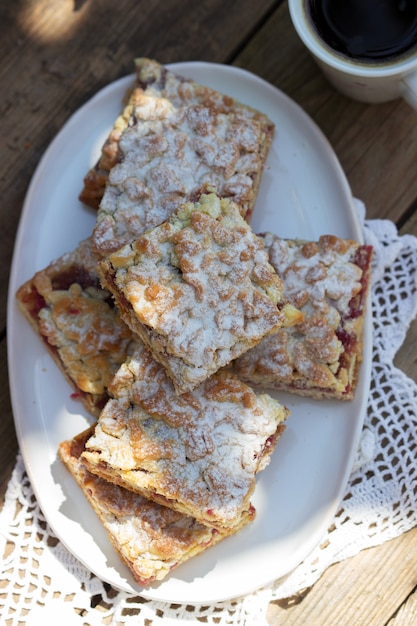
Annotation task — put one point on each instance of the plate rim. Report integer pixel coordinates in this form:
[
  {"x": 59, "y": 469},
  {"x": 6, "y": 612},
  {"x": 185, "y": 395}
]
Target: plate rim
[{"x": 193, "y": 65}]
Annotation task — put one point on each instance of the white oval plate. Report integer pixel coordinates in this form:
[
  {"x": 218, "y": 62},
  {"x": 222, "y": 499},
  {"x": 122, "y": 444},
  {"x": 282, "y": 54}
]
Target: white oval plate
[{"x": 304, "y": 193}]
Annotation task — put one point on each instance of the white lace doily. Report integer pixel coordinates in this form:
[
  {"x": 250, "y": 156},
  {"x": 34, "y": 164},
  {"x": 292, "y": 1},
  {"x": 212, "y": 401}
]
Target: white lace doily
[{"x": 40, "y": 580}]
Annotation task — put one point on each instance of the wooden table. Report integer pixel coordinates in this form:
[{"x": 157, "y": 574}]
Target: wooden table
[{"x": 55, "y": 54}]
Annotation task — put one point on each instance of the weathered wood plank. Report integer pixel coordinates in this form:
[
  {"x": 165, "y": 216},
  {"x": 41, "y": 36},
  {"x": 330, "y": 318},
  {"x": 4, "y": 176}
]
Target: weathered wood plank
[
  {"x": 406, "y": 359},
  {"x": 8, "y": 442},
  {"x": 372, "y": 585},
  {"x": 407, "y": 613}
]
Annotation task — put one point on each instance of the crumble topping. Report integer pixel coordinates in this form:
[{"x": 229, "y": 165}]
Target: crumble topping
[
  {"x": 319, "y": 355},
  {"x": 89, "y": 335},
  {"x": 319, "y": 276},
  {"x": 175, "y": 139},
  {"x": 199, "y": 452},
  {"x": 151, "y": 539},
  {"x": 76, "y": 317},
  {"x": 198, "y": 289}
]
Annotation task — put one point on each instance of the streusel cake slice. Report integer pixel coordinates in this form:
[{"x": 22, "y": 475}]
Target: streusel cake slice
[
  {"x": 328, "y": 281},
  {"x": 77, "y": 320},
  {"x": 198, "y": 453},
  {"x": 151, "y": 539},
  {"x": 198, "y": 289},
  {"x": 174, "y": 138}
]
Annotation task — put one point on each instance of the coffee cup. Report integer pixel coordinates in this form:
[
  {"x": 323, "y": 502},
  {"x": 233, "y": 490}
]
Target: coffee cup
[{"x": 366, "y": 48}]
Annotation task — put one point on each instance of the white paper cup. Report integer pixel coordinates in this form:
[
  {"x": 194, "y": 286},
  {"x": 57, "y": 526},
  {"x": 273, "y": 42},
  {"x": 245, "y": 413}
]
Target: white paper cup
[{"x": 367, "y": 82}]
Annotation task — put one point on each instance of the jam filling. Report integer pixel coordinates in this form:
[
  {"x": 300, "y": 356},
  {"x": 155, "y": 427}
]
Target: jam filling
[
  {"x": 35, "y": 301},
  {"x": 74, "y": 274},
  {"x": 362, "y": 259},
  {"x": 62, "y": 281},
  {"x": 349, "y": 341}
]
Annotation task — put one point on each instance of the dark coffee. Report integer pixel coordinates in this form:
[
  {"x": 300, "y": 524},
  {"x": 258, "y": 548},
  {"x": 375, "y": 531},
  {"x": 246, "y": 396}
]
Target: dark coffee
[{"x": 366, "y": 30}]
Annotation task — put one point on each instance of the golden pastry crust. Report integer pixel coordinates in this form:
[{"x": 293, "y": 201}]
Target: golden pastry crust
[
  {"x": 78, "y": 322},
  {"x": 173, "y": 139},
  {"x": 328, "y": 281},
  {"x": 151, "y": 539},
  {"x": 96, "y": 178},
  {"x": 198, "y": 289},
  {"x": 197, "y": 453}
]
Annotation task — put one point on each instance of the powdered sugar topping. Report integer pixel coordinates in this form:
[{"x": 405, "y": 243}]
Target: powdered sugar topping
[
  {"x": 200, "y": 450},
  {"x": 203, "y": 283},
  {"x": 180, "y": 138}
]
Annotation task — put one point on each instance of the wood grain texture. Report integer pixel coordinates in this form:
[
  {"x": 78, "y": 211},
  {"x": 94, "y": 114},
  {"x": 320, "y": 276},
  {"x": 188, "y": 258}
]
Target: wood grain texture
[
  {"x": 407, "y": 613},
  {"x": 365, "y": 590},
  {"x": 8, "y": 442},
  {"x": 406, "y": 359}
]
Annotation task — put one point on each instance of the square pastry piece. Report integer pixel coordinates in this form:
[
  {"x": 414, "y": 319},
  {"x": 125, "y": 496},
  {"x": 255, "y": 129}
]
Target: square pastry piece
[
  {"x": 328, "y": 281},
  {"x": 197, "y": 453},
  {"x": 174, "y": 138},
  {"x": 151, "y": 539},
  {"x": 198, "y": 289},
  {"x": 78, "y": 322}
]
